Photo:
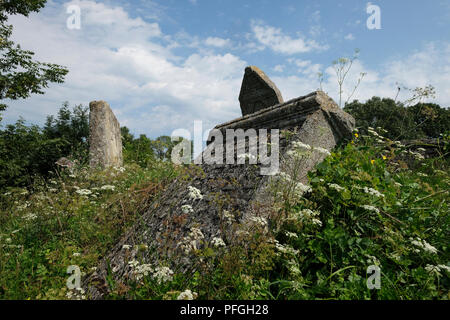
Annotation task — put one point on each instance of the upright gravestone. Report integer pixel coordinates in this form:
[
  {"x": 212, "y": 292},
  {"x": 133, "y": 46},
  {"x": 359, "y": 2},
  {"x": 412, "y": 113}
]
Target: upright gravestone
[
  {"x": 257, "y": 91},
  {"x": 104, "y": 136}
]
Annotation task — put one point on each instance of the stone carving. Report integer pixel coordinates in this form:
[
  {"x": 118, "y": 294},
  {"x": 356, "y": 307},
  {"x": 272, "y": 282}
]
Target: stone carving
[
  {"x": 104, "y": 136},
  {"x": 239, "y": 191},
  {"x": 257, "y": 91}
]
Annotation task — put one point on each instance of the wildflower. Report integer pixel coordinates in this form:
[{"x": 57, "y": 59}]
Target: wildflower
[
  {"x": 291, "y": 235},
  {"x": 126, "y": 247},
  {"x": 259, "y": 221},
  {"x": 30, "y": 217},
  {"x": 108, "y": 187},
  {"x": 444, "y": 267},
  {"x": 422, "y": 174},
  {"x": 300, "y": 189},
  {"x": 372, "y": 161},
  {"x": 322, "y": 150},
  {"x": 162, "y": 274},
  {"x": 356, "y": 135},
  {"x": 433, "y": 269},
  {"x": 384, "y": 157},
  {"x": 187, "y": 209},
  {"x": 336, "y": 187},
  {"x": 370, "y": 208},
  {"x": 286, "y": 249},
  {"x": 195, "y": 193},
  {"x": 187, "y": 295},
  {"x": 76, "y": 254},
  {"x": 228, "y": 217},
  {"x": 373, "y": 192},
  {"x": 218, "y": 242},
  {"x": 76, "y": 294},
  {"x": 84, "y": 192},
  {"x": 301, "y": 145},
  {"x": 425, "y": 246}
]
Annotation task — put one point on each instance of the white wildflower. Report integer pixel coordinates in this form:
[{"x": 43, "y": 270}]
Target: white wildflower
[
  {"x": 370, "y": 208},
  {"x": 218, "y": 242},
  {"x": 373, "y": 192},
  {"x": 336, "y": 187},
  {"x": 195, "y": 193},
  {"x": 84, "y": 192},
  {"x": 187, "y": 209},
  {"x": 126, "y": 247},
  {"x": 30, "y": 217},
  {"x": 187, "y": 295},
  {"x": 108, "y": 187},
  {"x": 76, "y": 254},
  {"x": 425, "y": 246},
  {"x": 433, "y": 269},
  {"x": 162, "y": 274},
  {"x": 301, "y": 145},
  {"x": 322, "y": 150},
  {"x": 229, "y": 217},
  {"x": 259, "y": 221},
  {"x": 291, "y": 235}
]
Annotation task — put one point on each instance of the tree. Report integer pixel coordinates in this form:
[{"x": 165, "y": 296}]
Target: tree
[{"x": 20, "y": 75}]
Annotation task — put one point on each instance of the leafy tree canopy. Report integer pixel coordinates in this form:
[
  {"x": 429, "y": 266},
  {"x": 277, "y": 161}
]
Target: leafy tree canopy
[{"x": 20, "y": 75}]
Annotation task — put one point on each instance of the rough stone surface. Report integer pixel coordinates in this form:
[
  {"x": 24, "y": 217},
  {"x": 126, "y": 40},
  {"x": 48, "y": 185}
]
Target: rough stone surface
[
  {"x": 237, "y": 189},
  {"x": 257, "y": 91},
  {"x": 104, "y": 136}
]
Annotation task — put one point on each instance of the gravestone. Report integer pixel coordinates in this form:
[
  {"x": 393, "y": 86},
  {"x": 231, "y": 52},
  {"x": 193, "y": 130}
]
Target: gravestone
[
  {"x": 257, "y": 91},
  {"x": 228, "y": 191},
  {"x": 105, "y": 140}
]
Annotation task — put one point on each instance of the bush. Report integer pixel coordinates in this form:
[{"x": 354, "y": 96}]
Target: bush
[{"x": 405, "y": 123}]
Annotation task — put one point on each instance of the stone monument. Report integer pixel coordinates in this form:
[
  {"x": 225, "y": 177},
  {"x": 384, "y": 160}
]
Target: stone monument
[{"x": 104, "y": 136}]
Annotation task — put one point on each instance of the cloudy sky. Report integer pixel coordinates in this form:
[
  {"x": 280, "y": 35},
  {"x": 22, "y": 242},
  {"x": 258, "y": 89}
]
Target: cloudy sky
[{"x": 162, "y": 64}]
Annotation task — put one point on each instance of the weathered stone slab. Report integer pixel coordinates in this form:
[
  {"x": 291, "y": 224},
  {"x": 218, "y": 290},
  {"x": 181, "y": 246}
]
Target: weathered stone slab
[
  {"x": 239, "y": 190},
  {"x": 104, "y": 136},
  {"x": 257, "y": 91}
]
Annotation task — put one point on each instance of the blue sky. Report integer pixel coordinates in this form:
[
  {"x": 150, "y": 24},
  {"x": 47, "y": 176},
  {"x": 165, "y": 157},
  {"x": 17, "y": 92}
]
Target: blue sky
[{"x": 163, "y": 64}]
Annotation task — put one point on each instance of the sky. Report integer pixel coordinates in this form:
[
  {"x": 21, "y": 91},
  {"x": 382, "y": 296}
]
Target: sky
[{"x": 161, "y": 64}]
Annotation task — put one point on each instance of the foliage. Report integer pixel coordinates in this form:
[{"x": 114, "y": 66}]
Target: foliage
[
  {"x": 20, "y": 75},
  {"x": 29, "y": 151},
  {"x": 71, "y": 219},
  {"x": 373, "y": 202},
  {"x": 417, "y": 121}
]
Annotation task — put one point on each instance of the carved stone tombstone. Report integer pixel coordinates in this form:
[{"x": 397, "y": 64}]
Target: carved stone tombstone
[
  {"x": 257, "y": 91},
  {"x": 227, "y": 193},
  {"x": 104, "y": 136}
]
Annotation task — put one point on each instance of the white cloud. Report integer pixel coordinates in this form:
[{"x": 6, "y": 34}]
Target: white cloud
[
  {"x": 279, "y": 42},
  {"x": 129, "y": 63},
  {"x": 428, "y": 66},
  {"x": 278, "y": 68},
  {"x": 217, "y": 42}
]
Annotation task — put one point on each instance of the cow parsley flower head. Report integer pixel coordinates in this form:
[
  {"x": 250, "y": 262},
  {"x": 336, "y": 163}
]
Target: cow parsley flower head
[
  {"x": 187, "y": 209},
  {"x": 218, "y": 242},
  {"x": 187, "y": 295},
  {"x": 162, "y": 274},
  {"x": 336, "y": 187},
  {"x": 370, "y": 208},
  {"x": 195, "y": 193},
  {"x": 84, "y": 192}
]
